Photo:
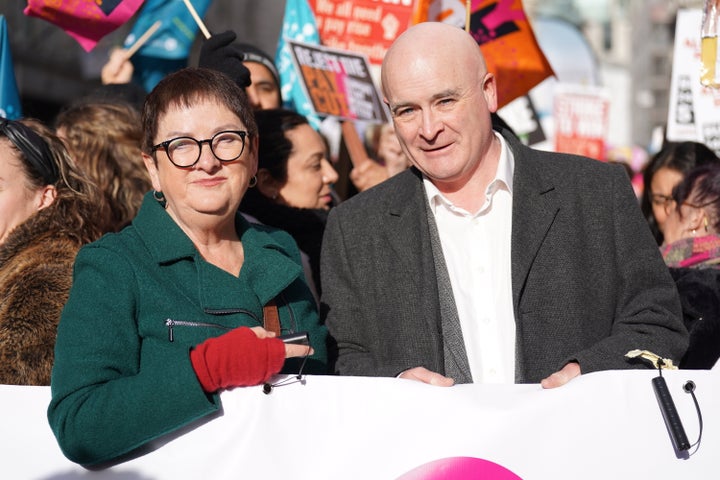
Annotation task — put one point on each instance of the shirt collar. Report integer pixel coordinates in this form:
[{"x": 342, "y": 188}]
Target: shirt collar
[{"x": 503, "y": 177}]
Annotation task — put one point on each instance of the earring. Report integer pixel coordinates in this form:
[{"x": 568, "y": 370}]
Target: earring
[
  {"x": 694, "y": 232},
  {"x": 707, "y": 227},
  {"x": 253, "y": 181},
  {"x": 160, "y": 198}
]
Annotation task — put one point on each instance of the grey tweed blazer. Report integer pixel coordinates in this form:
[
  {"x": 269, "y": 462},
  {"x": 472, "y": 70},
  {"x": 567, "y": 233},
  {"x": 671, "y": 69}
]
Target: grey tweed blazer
[{"x": 588, "y": 281}]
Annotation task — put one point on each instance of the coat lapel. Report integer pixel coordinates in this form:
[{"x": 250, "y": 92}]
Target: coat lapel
[
  {"x": 406, "y": 233},
  {"x": 416, "y": 242},
  {"x": 535, "y": 205}
]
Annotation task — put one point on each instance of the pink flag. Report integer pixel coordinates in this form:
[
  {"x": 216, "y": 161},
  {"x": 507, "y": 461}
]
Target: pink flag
[{"x": 87, "y": 21}]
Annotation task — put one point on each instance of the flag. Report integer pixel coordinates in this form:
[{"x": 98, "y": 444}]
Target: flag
[
  {"x": 87, "y": 21},
  {"x": 506, "y": 39},
  {"x": 168, "y": 49},
  {"x": 9, "y": 98},
  {"x": 299, "y": 25}
]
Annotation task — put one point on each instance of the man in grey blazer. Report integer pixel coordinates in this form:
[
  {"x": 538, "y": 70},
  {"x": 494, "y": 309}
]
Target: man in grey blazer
[{"x": 488, "y": 261}]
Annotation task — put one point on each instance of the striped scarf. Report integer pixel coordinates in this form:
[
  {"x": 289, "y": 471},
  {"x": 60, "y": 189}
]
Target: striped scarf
[{"x": 693, "y": 252}]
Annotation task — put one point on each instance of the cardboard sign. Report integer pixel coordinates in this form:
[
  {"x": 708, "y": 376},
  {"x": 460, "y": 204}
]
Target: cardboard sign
[
  {"x": 338, "y": 82},
  {"x": 581, "y": 120}
]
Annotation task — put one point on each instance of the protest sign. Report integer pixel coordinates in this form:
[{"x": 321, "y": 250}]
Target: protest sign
[
  {"x": 581, "y": 116},
  {"x": 338, "y": 82},
  {"x": 364, "y": 26}
]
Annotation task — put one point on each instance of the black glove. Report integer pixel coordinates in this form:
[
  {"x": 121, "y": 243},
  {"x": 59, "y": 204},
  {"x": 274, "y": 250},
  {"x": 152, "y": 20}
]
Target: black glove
[{"x": 219, "y": 54}]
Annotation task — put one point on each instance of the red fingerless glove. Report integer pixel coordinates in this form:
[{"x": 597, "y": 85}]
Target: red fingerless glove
[{"x": 235, "y": 359}]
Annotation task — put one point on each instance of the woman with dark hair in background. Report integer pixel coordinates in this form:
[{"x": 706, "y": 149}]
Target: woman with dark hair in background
[
  {"x": 662, "y": 173},
  {"x": 294, "y": 189},
  {"x": 692, "y": 251},
  {"x": 48, "y": 210}
]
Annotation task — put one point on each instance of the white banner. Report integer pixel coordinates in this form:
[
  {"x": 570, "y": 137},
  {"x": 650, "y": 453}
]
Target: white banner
[{"x": 600, "y": 426}]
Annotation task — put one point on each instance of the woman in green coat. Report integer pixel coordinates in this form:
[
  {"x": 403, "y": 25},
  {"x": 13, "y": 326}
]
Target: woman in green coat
[{"x": 169, "y": 312}]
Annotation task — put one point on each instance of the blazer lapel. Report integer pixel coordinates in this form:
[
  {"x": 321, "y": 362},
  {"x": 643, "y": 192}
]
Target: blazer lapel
[
  {"x": 406, "y": 233},
  {"x": 535, "y": 205},
  {"x": 416, "y": 242}
]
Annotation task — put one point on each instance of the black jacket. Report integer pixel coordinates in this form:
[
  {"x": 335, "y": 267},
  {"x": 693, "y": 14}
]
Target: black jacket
[{"x": 700, "y": 297}]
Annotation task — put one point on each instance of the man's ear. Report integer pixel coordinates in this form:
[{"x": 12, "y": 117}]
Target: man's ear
[
  {"x": 46, "y": 196},
  {"x": 266, "y": 184},
  {"x": 489, "y": 88}
]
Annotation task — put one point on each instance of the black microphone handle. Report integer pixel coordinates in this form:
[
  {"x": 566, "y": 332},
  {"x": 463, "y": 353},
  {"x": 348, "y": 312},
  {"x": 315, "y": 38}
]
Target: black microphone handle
[{"x": 670, "y": 414}]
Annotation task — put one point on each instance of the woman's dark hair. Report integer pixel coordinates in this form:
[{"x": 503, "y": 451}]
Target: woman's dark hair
[
  {"x": 188, "y": 87},
  {"x": 701, "y": 187},
  {"x": 45, "y": 161},
  {"x": 275, "y": 147},
  {"x": 679, "y": 156}
]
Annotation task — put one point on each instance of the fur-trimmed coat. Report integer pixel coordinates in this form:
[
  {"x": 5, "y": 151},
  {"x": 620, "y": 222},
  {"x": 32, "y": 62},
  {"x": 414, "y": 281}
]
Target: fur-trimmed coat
[{"x": 36, "y": 264}]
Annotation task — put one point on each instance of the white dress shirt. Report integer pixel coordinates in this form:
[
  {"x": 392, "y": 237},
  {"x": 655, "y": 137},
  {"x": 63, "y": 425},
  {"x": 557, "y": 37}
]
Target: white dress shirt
[{"x": 476, "y": 247}]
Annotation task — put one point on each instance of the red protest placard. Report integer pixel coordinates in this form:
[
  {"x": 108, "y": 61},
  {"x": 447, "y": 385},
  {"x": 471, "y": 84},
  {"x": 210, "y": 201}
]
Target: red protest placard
[
  {"x": 363, "y": 26},
  {"x": 581, "y": 116}
]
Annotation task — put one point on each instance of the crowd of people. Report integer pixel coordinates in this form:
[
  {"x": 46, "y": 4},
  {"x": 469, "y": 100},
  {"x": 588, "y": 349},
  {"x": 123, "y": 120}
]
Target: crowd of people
[{"x": 159, "y": 256}]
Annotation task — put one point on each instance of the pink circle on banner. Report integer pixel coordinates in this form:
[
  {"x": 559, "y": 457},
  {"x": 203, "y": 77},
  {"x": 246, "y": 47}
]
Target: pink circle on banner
[{"x": 459, "y": 468}]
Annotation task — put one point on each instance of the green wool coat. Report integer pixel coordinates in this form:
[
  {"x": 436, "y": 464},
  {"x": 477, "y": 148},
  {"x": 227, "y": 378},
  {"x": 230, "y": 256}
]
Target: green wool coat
[{"x": 121, "y": 378}]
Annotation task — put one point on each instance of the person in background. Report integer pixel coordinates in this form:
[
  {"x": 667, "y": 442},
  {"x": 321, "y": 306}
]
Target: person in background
[
  {"x": 662, "y": 173},
  {"x": 250, "y": 67},
  {"x": 388, "y": 159},
  {"x": 48, "y": 210},
  {"x": 692, "y": 251},
  {"x": 488, "y": 261},
  {"x": 179, "y": 306},
  {"x": 104, "y": 140},
  {"x": 294, "y": 189}
]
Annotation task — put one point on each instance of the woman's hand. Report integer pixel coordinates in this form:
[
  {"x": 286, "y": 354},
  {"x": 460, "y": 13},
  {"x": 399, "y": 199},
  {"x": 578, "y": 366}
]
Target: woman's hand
[
  {"x": 238, "y": 358},
  {"x": 390, "y": 151},
  {"x": 118, "y": 68},
  {"x": 291, "y": 350}
]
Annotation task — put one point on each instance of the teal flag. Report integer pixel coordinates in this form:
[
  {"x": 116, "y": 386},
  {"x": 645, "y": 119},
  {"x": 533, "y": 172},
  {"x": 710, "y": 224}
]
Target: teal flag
[
  {"x": 299, "y": 25},
  {"x": 9, "y": 97},
  {"x": 169, "y": 47}
]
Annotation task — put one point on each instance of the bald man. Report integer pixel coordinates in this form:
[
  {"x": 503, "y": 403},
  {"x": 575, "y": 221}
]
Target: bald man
[{"x": 488, "y": 261}]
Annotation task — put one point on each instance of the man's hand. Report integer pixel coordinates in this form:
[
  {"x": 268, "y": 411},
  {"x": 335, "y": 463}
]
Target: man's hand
[
  {"x": 422, "y": 374},
  {"x": 558, "y": 379}
]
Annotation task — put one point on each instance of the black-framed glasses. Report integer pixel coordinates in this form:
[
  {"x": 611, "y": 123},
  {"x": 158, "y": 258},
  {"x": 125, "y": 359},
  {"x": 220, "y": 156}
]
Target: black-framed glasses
[
  {"x": 185, "y": 152},
  {"x": 688, "y": 204},
  {"x": 660, "y": 200}
]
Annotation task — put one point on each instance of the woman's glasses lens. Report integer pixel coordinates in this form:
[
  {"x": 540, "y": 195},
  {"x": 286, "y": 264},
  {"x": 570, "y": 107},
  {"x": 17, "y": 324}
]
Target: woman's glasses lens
[{"x": 185, "y": 151}]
